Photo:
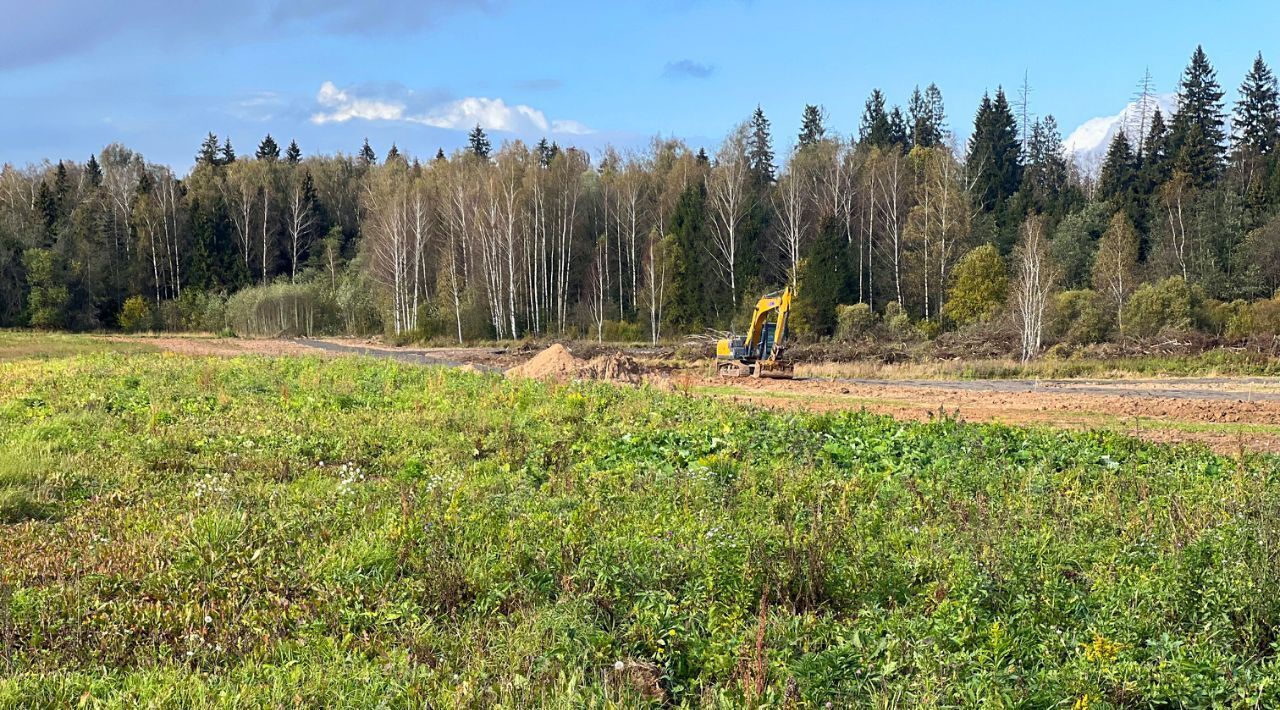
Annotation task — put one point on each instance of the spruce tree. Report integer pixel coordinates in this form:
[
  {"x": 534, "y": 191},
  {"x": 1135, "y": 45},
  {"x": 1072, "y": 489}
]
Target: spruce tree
[
  {"x": 228, "y": 154},
  {"x": 994, "y": 159},
  {"x": 702, "y": 157},
  {"x": 366, "y": 156},
  {"x": 1196, "y": 136},
  {"x": 687, "y": 230},
  {"x": 479, "y": 142},
  {"x": 1046, "y": 177},
  {"x": 899, "y": 134},
  {"x": 1257, "y": 113},
  {"x": 546, "y": 152},
  {"x": 440, "y": 158},
  {"x": 925, "y": 116},
  {"x": 208, "y": 154},
  {"x": 1119, "y": 170},
  {"x": 93, "y": 172},
  {"x": 825, "y": 279},
  {"x": 393, "y": 154},
  {"x": 293, "y": 154},
  {"x": 812, "y": 129},
  {"x": 874, "y": 129},
  {"x": 760, "y": 151},
  {"x": 1156, "y": 166},
  {"x": 268, "y": 149}
]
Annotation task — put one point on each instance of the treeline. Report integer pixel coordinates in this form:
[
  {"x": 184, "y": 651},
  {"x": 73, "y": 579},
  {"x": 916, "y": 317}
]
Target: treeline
[{"x": 527, "y": 240}]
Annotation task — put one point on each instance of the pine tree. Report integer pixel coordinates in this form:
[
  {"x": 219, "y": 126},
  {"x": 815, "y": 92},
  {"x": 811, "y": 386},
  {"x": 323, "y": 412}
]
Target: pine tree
[
  {"x": 366, "y": 156},
  {"x": 393, "y": 154},
  {"x": 1257, "y": 113},
  {"x": 93, "y": 172},
  {"x": 440, "y": 158},
  {"x": 228, "y": 154},
  {"x": 293, "y": 154},
  {"x": 875, "y": 129},
  {"x": 812, "y": 129},
  {"x": 268, "y": 149},
  {"x": 760, "y": 151},
  {"x": 702, "y": 157},
  {"x": 1196, "y": 136},
  {"x": 479, "y": 142},
  {"x": 994, "y": 159},
  {"x": 1119, "y": 170},
  {"x": 208, "y": 154}
]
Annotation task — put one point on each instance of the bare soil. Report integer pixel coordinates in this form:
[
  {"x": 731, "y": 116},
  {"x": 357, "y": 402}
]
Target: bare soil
[{"x": 1229, "y": 414}]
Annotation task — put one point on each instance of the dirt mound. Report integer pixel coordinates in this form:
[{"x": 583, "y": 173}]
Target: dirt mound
[
  {"x": 554, "y": 363},
  {"x": 557, "y": 363},
  {"x": 471, "y": 369},
  {"x": 614, "y": 368}
]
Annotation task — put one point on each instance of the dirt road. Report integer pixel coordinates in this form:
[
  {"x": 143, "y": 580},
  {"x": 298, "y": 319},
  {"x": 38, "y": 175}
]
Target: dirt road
[{"x": 1229, "y": 414}]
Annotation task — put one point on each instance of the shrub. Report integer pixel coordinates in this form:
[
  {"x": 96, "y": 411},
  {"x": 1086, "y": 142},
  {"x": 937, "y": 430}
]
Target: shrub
[
  {"x": 1080, "y": 317},
  {"x": 1158, "y": 306},
  {"x": 135, "y": 315},
  {"x": 897, "y": 322},
  {"x": 1259, "y": 319},
  {"x": 979, "y": 287},
  {"x": 854, "y": 322},
  {"x": 282, "y": 309}
]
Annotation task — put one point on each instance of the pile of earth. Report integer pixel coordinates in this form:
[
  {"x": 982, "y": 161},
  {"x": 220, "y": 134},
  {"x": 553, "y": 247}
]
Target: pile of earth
[{"x": 557, "y": 363}]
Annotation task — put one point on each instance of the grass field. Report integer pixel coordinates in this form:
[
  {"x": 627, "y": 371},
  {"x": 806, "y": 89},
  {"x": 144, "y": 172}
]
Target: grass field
[{"x": 188, "y": 532}]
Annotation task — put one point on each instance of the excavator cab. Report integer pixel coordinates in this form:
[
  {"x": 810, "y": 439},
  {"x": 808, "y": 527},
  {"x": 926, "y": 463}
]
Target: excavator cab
[{"x": 759, "y": 352}]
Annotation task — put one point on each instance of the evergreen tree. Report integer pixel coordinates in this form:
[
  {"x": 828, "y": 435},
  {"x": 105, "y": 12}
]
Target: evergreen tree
[
  {"x": 440, "y": 158},
  {"x": 688, "y": 244},
  {"x": 547, "y": 152},
  {"x": 925, "y": 117},
  {"x": 1156, "y": 166},
  {"x": 293, "y": 154},
  {"x": 1257, "y": 114},
  {"x": 1046, "y": 178},
  {"x": 1119, "y": 171},
  {"x": 228, "y": 154},
  {"x": 702, "y": 157},
  {"x": 93, "y": 172},
  {"x": 812, "y": 129},
  {"x": 1196, "y": 136},
  {"x": 393, "y": 154},
  {"x": 268, "y": 149},
  {"x": 208, "y": 154},
  {"x": 899, "y": 134},
  {"x": 994, "y": 159},
  {"x": 366, "y": 156},
  {"x": 479, "y": 142},
  {"x": 760, "y": 151},
  {"x": 875, "y": 129},
  {"x": 825, "y": 279}
]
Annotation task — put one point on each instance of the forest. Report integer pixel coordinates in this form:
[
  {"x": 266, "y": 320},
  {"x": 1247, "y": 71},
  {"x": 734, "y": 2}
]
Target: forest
[{"x": 892, "y": 223}]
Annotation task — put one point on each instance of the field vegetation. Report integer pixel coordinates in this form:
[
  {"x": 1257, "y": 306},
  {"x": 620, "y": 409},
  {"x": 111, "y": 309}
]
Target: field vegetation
[{"x": 293, "y": 531}]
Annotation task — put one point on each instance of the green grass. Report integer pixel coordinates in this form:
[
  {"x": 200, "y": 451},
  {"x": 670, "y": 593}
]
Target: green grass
[{"x": 344, "y": 533}]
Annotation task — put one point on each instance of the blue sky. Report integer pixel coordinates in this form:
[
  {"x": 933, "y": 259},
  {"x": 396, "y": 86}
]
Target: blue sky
[{"x": 157, "y": 75}]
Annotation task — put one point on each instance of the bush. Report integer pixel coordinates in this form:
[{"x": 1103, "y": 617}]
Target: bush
[
  {"x": 979, "y": 287},
  {"x": 854, "y": 322},
  {"x": 135, "y": 315},
  {"x": 1080, "y": 318},
  {"x": 1158, "y": 306},
  {"x": 622, "y": 331},
  {"x": 282, "y": 309},
  {"x": 897, "y": 322},
  {"x": 1257, "y": 319}
]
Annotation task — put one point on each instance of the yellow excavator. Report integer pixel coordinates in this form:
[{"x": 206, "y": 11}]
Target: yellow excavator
[{"x": 759, "y": 352}]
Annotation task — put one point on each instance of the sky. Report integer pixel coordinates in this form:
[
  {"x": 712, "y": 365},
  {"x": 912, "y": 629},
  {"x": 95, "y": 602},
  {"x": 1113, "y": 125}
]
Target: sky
[{"x": 158, "y": 75}]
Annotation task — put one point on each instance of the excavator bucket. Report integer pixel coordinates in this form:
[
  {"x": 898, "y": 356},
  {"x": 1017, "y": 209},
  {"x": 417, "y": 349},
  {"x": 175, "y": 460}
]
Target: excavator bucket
[{"x": 775, "y": 369}]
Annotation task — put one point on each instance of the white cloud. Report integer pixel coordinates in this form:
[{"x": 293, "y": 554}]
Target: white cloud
[{"x": 341, "y": 105}]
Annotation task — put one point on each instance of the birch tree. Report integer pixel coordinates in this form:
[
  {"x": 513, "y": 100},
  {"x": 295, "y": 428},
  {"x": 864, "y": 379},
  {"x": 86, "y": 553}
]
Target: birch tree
[
  {"x": 1033, "y": 282},
  {"x": 1116, "y": 263},
  {"x": 730, "y": 197}
]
